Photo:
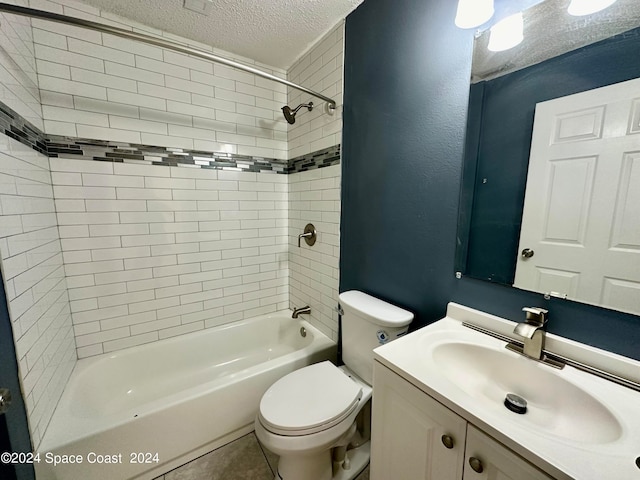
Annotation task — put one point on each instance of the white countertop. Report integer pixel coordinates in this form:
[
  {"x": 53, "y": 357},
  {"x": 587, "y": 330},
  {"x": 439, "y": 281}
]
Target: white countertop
[{"x": 611, "y": 455}]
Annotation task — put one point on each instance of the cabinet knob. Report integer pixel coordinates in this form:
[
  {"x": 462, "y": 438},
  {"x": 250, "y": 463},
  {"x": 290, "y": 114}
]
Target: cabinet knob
[
  {"x": 476, "y": 464},
  {"x": 447, "y": 441}
]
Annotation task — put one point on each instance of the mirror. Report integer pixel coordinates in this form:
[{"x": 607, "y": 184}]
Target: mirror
[{"x": 561, "y": 56}]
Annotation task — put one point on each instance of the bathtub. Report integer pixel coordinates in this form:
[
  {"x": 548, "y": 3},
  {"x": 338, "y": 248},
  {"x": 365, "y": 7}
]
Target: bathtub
[{"x": 140, "y": 412}]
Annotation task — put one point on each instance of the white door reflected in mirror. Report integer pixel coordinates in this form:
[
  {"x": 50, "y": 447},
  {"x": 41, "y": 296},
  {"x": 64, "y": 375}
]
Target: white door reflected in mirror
[{"x": 582, "y": 201}]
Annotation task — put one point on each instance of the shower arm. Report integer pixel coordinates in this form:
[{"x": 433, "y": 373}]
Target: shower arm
[
  {"x": 120, "y": 32},
  {"x": 308, "y": 105}
]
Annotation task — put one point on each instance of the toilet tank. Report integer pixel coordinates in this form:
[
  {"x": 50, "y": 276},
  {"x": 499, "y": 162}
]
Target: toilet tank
[{"x": 367, "y": 323}]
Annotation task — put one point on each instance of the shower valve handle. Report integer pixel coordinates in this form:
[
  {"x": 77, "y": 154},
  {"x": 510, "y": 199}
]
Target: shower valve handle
[{"x": 309, "y": 235}]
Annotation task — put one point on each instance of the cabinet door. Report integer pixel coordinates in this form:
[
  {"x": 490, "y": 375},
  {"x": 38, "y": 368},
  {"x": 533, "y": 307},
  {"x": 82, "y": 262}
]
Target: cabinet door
[
  {"x": 496, "y": 461},
  {"x": 407, "y": 431}
]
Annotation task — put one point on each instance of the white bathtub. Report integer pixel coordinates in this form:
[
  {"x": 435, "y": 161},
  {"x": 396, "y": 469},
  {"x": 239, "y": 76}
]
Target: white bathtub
[{"x": 178, "y": 398}]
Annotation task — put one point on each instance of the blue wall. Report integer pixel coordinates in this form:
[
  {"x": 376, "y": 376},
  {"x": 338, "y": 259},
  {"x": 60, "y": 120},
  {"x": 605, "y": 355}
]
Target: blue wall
[{"x": 407, "y": 73}]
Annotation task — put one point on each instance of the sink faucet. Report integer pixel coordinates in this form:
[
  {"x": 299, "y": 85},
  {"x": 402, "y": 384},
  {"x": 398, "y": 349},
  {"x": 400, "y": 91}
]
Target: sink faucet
[
  {"x": 298, "y": 311},
  {"x": 532, "y": 331}
]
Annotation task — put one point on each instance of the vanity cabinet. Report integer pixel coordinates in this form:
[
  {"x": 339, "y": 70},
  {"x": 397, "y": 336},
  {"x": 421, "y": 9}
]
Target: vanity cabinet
[
  {"x": 497, "y": 461},
  {"x": 407, "y": 433},
  {"x": 414, "y": 437}
]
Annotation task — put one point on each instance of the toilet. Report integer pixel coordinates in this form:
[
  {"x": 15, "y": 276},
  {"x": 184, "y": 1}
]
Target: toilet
[{"x": 318, "y": 418}]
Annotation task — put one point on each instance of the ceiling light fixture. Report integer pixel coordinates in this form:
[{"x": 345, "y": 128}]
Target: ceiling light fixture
[
  {"x": 473, "y": 13},
  {"x": 507, "y": 33},
  {"x": 578, "y": 8}
]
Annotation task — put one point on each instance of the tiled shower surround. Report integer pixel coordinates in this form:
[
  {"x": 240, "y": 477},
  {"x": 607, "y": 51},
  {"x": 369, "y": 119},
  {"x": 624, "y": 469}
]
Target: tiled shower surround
[
  {"x": 172, "y": 198},
  {"x": 158, "y": 241},
  {"x": 33, "y": 272},
  {"x": 153, "y": 251},
  {"x": 32, "y": 267}
]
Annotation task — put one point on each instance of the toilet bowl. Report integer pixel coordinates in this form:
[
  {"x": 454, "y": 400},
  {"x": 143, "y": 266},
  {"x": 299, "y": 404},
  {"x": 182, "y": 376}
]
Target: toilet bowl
[
  {"x": 317, "y": 418},
  {"x": 306, "y": 414}
]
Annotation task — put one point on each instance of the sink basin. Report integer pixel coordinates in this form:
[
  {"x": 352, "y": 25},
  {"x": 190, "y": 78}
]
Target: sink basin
[
  {"x": 576, "y": 426},
  {"x": 556, "y": 407}
]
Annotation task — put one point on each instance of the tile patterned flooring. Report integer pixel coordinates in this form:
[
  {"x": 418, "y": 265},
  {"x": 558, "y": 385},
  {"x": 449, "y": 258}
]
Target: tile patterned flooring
[{"x": 243, "y": 459}]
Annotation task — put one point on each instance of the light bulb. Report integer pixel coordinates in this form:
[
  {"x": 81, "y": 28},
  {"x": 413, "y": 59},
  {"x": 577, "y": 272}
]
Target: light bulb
[
  {"x": 507, "y": 33},
  {"x": 473, "y": 13},
  {"x": 587, "y": 7}
]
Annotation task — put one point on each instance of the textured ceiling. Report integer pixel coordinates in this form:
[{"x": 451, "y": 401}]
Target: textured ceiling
[{"x": 274, "y": 32}]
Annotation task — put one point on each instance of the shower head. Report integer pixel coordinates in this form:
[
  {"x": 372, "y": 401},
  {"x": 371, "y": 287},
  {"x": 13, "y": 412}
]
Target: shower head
[{"x": 290, "y": 115}]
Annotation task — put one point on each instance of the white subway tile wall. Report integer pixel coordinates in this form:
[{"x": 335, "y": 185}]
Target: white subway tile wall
[
  {"x": 153, "y": 251},
  {"x": 18, "y": 79},
  {"x": 150, "y": 252},
  {"x": 314, "y": 197},
  {"x": 104, "y": 87},
  {"x": 320, "y": 69},
  {"x": 34, "y": 280}
]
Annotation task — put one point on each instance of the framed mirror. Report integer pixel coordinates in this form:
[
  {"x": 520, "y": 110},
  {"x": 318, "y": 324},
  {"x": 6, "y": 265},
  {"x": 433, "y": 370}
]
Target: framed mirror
[{"x": 576, "y": 64}]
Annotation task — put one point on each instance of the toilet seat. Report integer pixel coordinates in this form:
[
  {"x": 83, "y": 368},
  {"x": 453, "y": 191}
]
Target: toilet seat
[{"x": 309, "y": 400}]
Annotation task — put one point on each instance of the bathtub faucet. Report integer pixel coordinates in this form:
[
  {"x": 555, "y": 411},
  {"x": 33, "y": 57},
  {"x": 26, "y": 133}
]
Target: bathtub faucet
[{"x": 298, "y": 311}]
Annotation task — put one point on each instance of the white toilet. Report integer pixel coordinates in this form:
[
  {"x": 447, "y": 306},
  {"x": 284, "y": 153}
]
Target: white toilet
[{"x": 317, "y": 419}]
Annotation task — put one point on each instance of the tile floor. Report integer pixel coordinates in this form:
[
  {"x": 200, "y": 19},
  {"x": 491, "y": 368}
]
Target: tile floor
[{"x": 243, "y": 459}]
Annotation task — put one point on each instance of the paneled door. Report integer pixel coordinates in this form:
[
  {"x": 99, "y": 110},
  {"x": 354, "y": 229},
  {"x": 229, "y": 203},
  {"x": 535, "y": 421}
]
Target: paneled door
[
  {"x": 580, "y": 234},
  {"x": 14, "y": 431}
]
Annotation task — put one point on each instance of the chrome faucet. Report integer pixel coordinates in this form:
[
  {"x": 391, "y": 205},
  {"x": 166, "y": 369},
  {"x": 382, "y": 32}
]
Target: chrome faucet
[
  {"x": 298, "y": 311},
  {"x": 532, "y": 331}
]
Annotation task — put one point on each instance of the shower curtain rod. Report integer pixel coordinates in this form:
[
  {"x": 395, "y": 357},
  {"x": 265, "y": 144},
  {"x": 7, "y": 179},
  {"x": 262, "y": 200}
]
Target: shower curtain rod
[{"x": 120, "y": 32}]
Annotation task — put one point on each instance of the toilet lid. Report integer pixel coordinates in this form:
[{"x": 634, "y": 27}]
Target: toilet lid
[{"x": 309, "y": 400}]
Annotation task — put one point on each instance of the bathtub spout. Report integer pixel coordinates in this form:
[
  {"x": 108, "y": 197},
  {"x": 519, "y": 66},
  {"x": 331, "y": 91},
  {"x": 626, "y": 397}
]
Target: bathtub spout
[{"x": 298, "y": 311}]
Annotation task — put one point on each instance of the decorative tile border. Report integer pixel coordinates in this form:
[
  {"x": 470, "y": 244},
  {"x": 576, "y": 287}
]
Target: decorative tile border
[
  {"x": 152, "y": 155},
  {"x": 16, "y": 127},
  {"x": 318, "y": 159}
]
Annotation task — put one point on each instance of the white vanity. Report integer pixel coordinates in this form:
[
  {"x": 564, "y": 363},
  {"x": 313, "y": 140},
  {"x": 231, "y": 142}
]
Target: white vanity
[{"x": 439, "y": 411}]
